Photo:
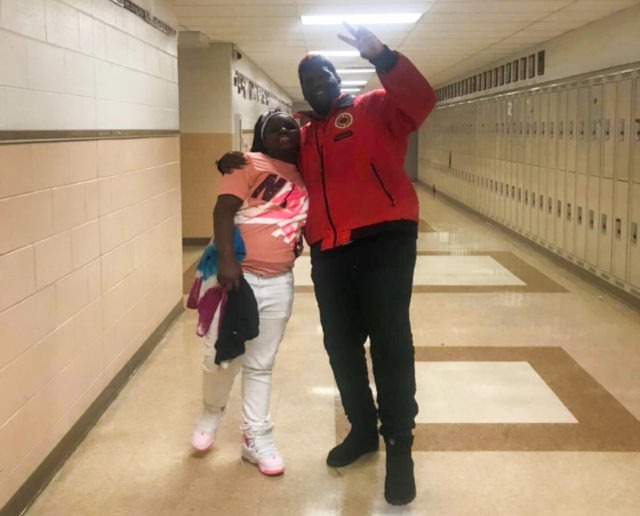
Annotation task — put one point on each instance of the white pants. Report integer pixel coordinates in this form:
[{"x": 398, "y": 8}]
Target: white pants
[{"x": 274, "y": 296}]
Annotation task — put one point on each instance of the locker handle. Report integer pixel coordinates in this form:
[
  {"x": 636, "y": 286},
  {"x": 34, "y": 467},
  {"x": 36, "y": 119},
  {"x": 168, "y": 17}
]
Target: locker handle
[
  {"x": 592, "y": 219},
  {"x": 581, "y": 130},
  {"x": 594, "y": 129},
  {"x": 571, "y": 129},
  {"x": 551, "y": 129},
  {"x": 561, "y": 129},
  {"x": 549, "y": 205},
  {"x": 559, "y": 208},
  {"x": 618, "y": 228},
  {"x": 543, "y": 128},
  {"x": 634, "y": 233},
  {"x": 638, "y": 129},
  {"x": 526, "y": 197},
  {"x": 621, "y": 127},
  {"x": 580, "y": 215},
  {"x": 603, "y": 223},
  {"x": 541, "y": 201},
  {"x": 569, "y": 211},
  {"x": 607, "y": 129},
  {"x": 513, "y": 192}
]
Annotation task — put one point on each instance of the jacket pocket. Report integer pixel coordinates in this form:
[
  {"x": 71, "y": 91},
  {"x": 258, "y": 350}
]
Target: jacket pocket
[{"x": 381, "y": 183}]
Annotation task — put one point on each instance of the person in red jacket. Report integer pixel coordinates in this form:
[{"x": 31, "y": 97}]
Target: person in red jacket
[{"x": 362, "y": 228}]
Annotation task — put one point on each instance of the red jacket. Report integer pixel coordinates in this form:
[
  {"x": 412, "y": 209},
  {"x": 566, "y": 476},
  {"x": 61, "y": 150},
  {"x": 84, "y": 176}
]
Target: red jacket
[{"x": 352, "y": 159}]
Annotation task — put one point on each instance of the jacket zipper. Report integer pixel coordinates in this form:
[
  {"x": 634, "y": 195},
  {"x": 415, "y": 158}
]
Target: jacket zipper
[
  {"x": 387, "y": 193},
  {"x": 324, "y": 189}
]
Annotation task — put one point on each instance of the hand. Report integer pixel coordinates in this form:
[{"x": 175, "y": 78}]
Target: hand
[
  {"x": 230, "y": 161},
  {"x": 229, "y": 273},
  {"x": 364, "y": 41}
]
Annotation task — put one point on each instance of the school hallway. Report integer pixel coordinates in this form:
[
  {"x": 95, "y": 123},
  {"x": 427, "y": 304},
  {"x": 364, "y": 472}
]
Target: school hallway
[{"x": 528, "y": 385}]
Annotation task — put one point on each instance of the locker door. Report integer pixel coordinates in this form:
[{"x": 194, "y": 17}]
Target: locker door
[
  {"x": 536, "y": 103},
  {"x": 608, "y": 129},
  {"x": 560, "y": 209},
  {"x": 582, "y": 130},
  {"x": 606, "y": 226},
  {"x": 542, "y": 203},
  {"x": 551, "y": 208},
  {"x": 528, "y": 121},
  {"x": 570, "y": 129},
  {"x": 530, "y": 201},
  {"x": 570, "y": 215},
  {"x": 561, "y": 129},
  {"x": 620, "y": 229},
  {"x": 635, "y": 130},
  {"x": 580, "y": 249},
  {"x": 593, "y": 197},
  {"x": 595, "y": 129},
  {"x": 534, "y": 200},
  {"x": 622, "y": 131},
  {"x": 542, "y": 129},
  {"x": 552, "y": 131},
  {"x": 634, "y": 247}
]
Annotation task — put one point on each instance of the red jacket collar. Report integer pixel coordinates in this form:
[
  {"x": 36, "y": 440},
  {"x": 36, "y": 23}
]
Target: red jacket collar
[{"x": 341, "y": 102}]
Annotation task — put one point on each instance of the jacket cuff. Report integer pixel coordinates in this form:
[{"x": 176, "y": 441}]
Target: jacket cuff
[{"x": 385, "y": 61}]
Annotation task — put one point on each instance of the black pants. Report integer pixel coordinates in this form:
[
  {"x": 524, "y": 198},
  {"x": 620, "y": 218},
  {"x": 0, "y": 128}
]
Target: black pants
[{"x": 363, "y": 290}]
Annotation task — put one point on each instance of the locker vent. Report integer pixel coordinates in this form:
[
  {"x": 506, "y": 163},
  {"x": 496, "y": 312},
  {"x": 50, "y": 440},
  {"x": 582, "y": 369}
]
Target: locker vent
[{"x": 521, "y": 69}]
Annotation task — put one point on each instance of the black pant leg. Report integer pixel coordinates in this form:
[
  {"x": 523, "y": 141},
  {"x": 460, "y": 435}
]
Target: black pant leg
[
  {"x": 344, "y": 334},
  {"x": 385, "y": 280}
]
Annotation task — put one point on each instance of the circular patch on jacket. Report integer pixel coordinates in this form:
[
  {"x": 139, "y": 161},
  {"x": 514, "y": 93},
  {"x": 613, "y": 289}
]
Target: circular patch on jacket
[{"x": 344, "y": 120}]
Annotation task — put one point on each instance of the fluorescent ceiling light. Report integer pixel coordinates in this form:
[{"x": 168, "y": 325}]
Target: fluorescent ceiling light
[
  {"x": 344, "y": 71},
  {"x": 361, "y": 19},
  {"x": 350, "y": 90},
  {"x": 354, "y": 83},
  {"x": 337, "y": 53}
]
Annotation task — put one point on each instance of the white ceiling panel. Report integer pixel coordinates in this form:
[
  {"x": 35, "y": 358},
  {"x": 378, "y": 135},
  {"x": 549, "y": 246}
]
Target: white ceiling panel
[{"x": 452, "y": 37}]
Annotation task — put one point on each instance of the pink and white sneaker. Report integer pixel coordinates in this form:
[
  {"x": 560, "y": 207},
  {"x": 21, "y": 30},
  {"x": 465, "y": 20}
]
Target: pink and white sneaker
[
  {"x": 258, "y": 448},
  {"x": 201, "y": 440}
]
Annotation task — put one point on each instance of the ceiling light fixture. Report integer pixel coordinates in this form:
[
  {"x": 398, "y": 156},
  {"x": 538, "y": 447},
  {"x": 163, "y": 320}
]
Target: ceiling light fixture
[
  {"x": 345, "y": 71},
  {"x": 336, "y": 53},
  {"x": 350, "y": 90},
  {"x": 354, "y": 83},
  {"x": 361, "y": 19}
]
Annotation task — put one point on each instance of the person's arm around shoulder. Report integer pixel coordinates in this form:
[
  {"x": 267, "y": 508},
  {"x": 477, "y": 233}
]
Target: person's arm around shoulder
[{"x": 229, "y": 270}]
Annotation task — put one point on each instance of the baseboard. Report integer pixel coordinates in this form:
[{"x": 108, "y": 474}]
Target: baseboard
[
  {"x": 202, "y": 241},
  {"x": 43, "y": 474},
  {"x": 617, "y": 292}
]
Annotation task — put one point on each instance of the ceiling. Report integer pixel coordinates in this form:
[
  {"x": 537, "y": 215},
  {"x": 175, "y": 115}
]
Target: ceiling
[{"x": 453, "y": 37}]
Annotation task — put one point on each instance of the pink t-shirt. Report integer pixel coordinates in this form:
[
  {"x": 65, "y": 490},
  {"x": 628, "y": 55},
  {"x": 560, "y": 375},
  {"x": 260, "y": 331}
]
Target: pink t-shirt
[{"x": 273, "y": 213}]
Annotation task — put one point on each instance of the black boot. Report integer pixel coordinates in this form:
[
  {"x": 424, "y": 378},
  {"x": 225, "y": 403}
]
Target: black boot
[
  {"x": 399, "y": 484},
  {"x": 356, "y": 444}
]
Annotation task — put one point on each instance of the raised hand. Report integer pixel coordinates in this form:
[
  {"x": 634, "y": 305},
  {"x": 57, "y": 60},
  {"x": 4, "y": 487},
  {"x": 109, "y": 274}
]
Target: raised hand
[
  {"x": 364, "y": 41},
  {"x": 230, "y": 161}
]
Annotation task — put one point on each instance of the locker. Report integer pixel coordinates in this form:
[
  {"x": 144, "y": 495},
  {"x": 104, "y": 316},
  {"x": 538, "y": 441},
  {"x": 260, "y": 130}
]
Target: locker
[
  {"x": 570, "y": 214},
  {"x": 525, "y": 170},
  {"x": 606, "y": 225},
  {"x": 634, "y": 247},
  {"x": 635, "y": 132},
  {"x": 620, "y": 229},
  {"x": 560, "y": 209},
  {"x": 552, "y": 131},
  {"x": 533, "y": 207},
  {"x": 542, "y": 129},
  {"x": 528, "y": 121},
  {"x": 561, "y": 129},
  {"x": 581, "y": 130},
  {"x": 542, "y": 203},
  {"x": 550, "y": 207},
  {"x": 608, "y": 129},
  {"x": 535, "y": 128},
  {"x": 523, "y": 201},
  {"x": 595, "y": 129},
  {"x": 580, "y": 247},
  {"x": 623, "y": 129},
  {"x": 570, "y": 128},
  {"x": 593, "y": 206}
]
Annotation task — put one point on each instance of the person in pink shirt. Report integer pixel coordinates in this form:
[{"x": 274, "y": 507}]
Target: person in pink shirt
[{"x": 268, "y": 202}]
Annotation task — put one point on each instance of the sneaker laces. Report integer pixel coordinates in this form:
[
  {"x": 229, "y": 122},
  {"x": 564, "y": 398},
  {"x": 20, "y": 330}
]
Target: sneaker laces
[{"x": 263, "y": 445}]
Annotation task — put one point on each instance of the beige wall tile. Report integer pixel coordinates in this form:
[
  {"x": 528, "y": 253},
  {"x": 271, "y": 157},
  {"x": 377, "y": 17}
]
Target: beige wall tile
[
  {"x": 17, "y": 172},
  {"x": 92, "y": 200},
  {"x": 53, "y": 258},
  {"x": 25, "y": 17},
  {"x": 68, "y": 207},
  {"x": 72, "y": 294},
  {"x": 24, "y": 219},
  {"x": 51, "y": 164},
  {"x": 25, "y": 323},
  {"x": 112, "y": 231},
  {"x": 17, "y": 276},
  {"x": 83, "y": 160},
  {"x": 117, "y": 265},
  {"x": 85, "y": 243}
]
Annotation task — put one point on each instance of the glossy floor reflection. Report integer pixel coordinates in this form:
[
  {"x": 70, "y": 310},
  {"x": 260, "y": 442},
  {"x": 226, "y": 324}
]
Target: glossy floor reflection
[{"x": 532, "y": 405}]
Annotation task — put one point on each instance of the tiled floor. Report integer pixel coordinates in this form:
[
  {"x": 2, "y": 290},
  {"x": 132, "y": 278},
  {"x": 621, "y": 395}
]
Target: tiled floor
[{"x": 529, "y": 386}]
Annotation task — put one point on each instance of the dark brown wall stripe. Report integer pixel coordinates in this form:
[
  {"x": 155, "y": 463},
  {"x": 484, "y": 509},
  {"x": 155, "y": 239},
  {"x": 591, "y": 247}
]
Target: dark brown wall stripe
[{"x": 14, "y": 137}]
